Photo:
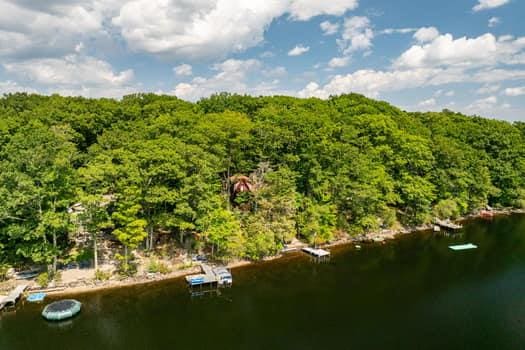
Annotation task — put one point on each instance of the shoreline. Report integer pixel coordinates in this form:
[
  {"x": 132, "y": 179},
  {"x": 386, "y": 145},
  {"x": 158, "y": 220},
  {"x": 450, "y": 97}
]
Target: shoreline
[{"x": 374, "y": 237}]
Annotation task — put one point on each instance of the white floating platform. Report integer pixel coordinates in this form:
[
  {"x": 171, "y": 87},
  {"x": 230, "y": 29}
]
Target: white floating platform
[
  {"x": 463, "y": 246},
  {"x": 318, "y": 253}
]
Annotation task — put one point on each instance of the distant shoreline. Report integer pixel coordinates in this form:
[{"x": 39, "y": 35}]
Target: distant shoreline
[{"x": 374, "y": 237}]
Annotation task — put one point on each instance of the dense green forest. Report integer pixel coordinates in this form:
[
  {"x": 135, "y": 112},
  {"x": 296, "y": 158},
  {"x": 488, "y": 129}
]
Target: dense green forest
[{"x": 238, "y": 176}]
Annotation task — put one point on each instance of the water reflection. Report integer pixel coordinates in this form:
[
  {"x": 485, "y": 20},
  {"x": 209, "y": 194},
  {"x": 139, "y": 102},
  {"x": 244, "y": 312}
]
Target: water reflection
[
  {"x": 60, "y": 325},
  {"x": 412, "y": 293}
]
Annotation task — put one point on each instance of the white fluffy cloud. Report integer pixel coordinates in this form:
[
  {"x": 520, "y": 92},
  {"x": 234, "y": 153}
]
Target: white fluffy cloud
[
  {"x": 50, "y": 28},
  {"x": 484, "y": 50},
  {"x": 441, "y": 92},
  {"x": 73, "y": 75},
  {"x": 515, "y": 91},
  {"x": 329, "y": 28},
  {"x": 357, "y": 35},
  {"x": 305, "y": 9},
  {"x": 195, "y": 29},
  {"x": 494, "y": 21},
  {"x": 489, "y": 4},
  {"x": 431, "y": 102},
  {"x": 426, "y": 34},
  {"x": 210, "y": 28},
  {"x": 68, "y": 70},
  {"x": 483, "y": 103},
  {"x": 369, "y": 82},
  {"x": 183, "y": 70},
  {"x": 374, "y": 82},
  {"x": 488, "y": 89},
  {"x": 276, "y": 72},
  {"x": 231, "y": 76},
  {"x": 184, "y": 29},
  {"x": 389, "y": 31},
  {"x": 338, "y": 62},
  {"x": 235, "y": 76},
  {"x": 48, "y": 5},
  {"x": 298, "y": 50},
  {"x": 490, "y": 106},
  {"x": 493, "y": 75},
  {"x": 10, "y": 86}
]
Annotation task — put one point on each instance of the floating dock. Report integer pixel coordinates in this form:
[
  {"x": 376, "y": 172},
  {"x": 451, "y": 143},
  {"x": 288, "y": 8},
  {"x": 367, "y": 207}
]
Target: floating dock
[
  {"x": 210, "y": 276},
  {"x": 61, "y": 310},
  {"x": 318, "y": 253},
  {"x": 447, "y": 224},
  {"x": 13, "y": 296},
  {"x": 463, "y": 246}
]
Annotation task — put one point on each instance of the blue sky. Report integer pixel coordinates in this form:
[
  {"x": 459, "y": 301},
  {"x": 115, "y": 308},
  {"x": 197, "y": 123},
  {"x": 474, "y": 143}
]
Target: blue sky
[{"x": 466, "y": 55}]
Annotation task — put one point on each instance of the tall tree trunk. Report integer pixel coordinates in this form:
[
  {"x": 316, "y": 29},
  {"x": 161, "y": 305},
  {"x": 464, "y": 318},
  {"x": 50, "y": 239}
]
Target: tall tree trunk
[
  {"x": 54, "y": 253},
  {"x": 149, "y": 239},
  {"x": 228, "y": 184},
  {"x": 151, "y": 246},
  {"x": 95, "y": 252}
]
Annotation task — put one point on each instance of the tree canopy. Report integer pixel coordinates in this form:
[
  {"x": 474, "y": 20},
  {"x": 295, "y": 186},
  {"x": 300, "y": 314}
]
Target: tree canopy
[{"x": 151, "y": 165}]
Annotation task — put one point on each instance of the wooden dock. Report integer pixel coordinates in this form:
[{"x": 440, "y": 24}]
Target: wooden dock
[
  {"x": 447, "y": 224},
  {"x": 201, "y": 280},
  {"x": 13, "y": 296},
  {"x": 210, "y": 277},
  {"x": 207, "y": 270},
  {"x": 318, "y": 253}
]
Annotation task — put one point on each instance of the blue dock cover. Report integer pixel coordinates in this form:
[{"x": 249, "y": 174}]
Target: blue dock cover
[
  {"x": 196, "y": 280},
  {"x": 34, "y": 297}
]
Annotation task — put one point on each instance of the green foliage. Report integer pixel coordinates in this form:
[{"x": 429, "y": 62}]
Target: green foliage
[
  {"x": 43, "y": 279},
  {"x": 4, "y": 269},
  {"x": 388, "y": 215},
  {"x": 222, "y": 230},
  {"x": 57, "y": 276},
  {"x": 130, "y": 229},
  {"x": 520, "y": 199},
  {"x": 36, "y": 187},
  {"x": 149, "y": 166},
  {"x": 101, "y": 275},
  {"x": 78, "y": 255},
  {"x": 94, "y": 219},
  {"x": 275, "y": 203},
  {"x": 447, "y": 209},
  {"x": 156, "y": 266},
  {"x": 260, "y": 241},
  {"x": 125, "y": 267},
  {"x": 317, "y": 222},
  {"x": 185, "y": 265}
]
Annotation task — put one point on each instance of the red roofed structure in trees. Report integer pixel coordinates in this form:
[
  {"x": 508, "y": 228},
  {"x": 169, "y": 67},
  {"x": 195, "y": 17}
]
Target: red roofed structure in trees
[{"x": 241, "y": 184}]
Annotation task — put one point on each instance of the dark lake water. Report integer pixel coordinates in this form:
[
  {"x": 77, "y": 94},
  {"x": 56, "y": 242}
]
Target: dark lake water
[{"x": 413, "y": 293}]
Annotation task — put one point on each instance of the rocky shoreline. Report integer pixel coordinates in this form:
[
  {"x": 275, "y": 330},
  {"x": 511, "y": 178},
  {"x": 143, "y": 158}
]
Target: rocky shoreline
[{"x": 90, "y": 285}]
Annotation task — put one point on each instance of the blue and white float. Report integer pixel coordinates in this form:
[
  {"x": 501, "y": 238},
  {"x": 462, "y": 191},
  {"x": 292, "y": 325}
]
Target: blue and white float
[{"x": 61, "y": 310}]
